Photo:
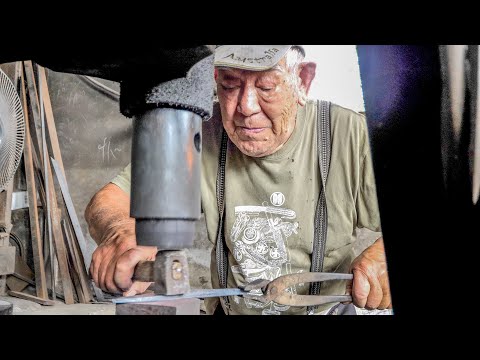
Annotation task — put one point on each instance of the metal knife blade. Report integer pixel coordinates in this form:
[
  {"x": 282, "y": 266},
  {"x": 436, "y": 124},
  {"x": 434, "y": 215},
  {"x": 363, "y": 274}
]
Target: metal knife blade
[{"x": 202, "y": 293}]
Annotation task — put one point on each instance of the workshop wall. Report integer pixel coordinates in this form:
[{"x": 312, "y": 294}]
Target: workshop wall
[{"x": 94, "y": 138}]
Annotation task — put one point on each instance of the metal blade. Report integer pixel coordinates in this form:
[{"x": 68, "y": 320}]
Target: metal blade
[
  {"x": 203, "y": 293},
  {"x": 70, "y": 208}
]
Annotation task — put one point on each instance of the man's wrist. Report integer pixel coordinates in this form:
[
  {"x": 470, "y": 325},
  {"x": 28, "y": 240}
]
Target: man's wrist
[
  {"x": 379, "y": 243},
  {"x": 124, "y": 228}
]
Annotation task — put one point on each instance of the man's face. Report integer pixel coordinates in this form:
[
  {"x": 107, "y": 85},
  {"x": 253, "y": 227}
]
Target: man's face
[{"x": 258, "y": 108}]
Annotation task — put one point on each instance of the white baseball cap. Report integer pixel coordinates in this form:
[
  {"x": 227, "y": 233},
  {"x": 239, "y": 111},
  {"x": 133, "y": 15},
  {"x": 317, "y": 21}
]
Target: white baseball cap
[{"x": 251, "y": 57}]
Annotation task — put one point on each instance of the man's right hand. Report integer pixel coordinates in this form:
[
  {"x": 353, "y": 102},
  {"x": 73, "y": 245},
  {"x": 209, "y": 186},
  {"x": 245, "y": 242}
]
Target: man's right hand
[
  {"x": 112, "y": 228},
  {"x": 114, "y": 261}
]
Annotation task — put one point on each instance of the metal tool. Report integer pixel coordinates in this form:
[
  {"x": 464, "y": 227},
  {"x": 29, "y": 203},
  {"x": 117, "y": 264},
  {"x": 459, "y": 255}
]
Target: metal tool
[{"x": 275, "y": 290}]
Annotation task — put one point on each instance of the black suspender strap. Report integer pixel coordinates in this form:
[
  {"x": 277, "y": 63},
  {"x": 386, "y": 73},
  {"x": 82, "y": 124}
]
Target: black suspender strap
[
  {"x": 221, "y": 247},
  {"x": 321, "y": 216}
]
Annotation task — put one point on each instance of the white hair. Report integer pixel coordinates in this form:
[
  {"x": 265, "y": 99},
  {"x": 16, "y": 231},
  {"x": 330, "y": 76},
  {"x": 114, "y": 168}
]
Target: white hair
[{"x": 293, "y": 59}]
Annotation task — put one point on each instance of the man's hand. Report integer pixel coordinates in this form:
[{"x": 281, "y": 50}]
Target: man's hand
[
  {"x": 126, "y": 266},
  {"x": 114, "y": 261},
  {"x": 370, "y": 288}
]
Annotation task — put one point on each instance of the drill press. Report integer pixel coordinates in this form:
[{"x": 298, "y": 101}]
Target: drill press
[{"x": 168, "y": 91}]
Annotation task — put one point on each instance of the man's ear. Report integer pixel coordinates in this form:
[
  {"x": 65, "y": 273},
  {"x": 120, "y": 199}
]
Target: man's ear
[{"x": 306, "y": 74}]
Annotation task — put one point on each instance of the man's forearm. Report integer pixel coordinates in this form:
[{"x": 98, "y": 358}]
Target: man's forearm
[{"x": 109, "y": 211}]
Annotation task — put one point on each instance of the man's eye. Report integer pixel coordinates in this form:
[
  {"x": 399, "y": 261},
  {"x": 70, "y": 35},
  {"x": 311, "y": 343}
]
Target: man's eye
[
  {"x": 229, "y": 87},
  {"x": 266, "y": 89}
]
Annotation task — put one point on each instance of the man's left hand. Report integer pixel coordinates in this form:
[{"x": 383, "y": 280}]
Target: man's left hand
[{"x": 370, "y": 288}]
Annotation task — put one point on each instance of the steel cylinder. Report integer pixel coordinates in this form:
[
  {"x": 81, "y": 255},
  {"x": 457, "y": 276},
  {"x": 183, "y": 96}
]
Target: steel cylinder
[{"x": 165, "y": 194}]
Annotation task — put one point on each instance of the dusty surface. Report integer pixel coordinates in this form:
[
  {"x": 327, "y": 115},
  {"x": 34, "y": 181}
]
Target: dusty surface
[{"x": 25, "y": 307}]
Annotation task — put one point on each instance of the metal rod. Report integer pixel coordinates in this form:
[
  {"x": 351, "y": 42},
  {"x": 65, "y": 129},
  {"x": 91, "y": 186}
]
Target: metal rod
[
  {"x": 28, "y": 156},
  {"x": 46, "y": 174},
  {"x": 62, "y": 181},
  {"x": 200, "y": 294}
]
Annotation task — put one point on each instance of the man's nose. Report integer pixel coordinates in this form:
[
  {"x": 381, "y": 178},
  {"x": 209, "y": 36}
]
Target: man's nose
[{"x": 248, "y": 102}]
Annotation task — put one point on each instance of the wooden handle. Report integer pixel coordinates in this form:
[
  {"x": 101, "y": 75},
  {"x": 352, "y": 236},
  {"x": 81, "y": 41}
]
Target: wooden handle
[{"x": 144, "y": 271}]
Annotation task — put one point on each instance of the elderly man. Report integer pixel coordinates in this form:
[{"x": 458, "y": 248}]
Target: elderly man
[{"x": 261, "y": 154}]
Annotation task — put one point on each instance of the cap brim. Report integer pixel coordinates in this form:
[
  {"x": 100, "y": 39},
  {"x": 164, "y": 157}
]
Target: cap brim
[{"x": 250, "y": 57}]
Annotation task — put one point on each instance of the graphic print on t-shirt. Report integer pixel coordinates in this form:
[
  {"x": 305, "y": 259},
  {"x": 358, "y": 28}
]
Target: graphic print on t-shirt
[{"x": 259, "y": 236}]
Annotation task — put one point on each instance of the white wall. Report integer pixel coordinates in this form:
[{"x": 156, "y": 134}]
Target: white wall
[{"x": 338, "y": 75}]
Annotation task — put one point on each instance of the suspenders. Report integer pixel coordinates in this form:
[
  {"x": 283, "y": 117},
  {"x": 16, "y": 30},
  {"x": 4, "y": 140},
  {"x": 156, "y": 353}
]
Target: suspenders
[{"x": 321, "y": 217}]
